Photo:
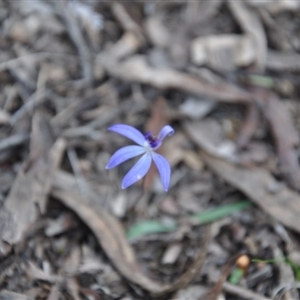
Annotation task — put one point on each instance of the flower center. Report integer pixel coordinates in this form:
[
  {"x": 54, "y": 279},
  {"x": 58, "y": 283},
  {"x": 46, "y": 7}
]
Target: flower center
[{"x": 152, "y": 140}]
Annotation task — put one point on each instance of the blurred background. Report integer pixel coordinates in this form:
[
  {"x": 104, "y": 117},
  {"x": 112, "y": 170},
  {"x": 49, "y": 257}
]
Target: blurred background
[{"x": 225, "y": 75}]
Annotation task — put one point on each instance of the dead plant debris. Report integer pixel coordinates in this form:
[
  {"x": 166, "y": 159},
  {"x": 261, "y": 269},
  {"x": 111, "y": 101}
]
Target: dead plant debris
[{"x": 224, "y": 74}]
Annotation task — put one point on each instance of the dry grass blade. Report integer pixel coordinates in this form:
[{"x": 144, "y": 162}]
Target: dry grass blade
[
  {"x": 136, "y": 69},
  {"x": 257, "y": 183},
  {"x": 31, "y": 186}
]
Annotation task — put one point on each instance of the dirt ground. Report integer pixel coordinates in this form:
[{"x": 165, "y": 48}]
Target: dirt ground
[{"x": 225, "y": 75}]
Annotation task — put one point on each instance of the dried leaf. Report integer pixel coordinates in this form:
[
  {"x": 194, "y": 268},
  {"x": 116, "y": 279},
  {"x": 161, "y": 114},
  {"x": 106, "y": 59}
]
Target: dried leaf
[
  {"x": 283, "y": 61},
  {"x": 136, "y": 69},
  {"x": 284, "y": 133},
  {"x": 4, "y": 117},
  {"x": 283, "y": 206},
  {"x": 249, "y": 126},
  {"x": 111, "y": 237},
  {"x": 223, "y": 52},
  {"x": 197, "y": 108},
  {"x": 8, "y": 295},
  {"x": 251, "y": 24},
  {"x": 208, "y": 134},
  {"x": 31, "y": 186}
]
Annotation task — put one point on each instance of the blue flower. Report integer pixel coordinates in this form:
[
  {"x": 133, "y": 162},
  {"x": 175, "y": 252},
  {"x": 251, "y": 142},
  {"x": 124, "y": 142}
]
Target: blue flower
[{"x": 147, "y": 144}]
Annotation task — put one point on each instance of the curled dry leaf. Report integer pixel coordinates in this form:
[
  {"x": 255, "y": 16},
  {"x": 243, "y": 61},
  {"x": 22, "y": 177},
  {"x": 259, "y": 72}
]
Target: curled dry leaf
[
  {"x": 8, "y": 295},
  {"x": 284, "y": 133},
  {"x": 197, "y": 108},
  {"x": 31, "y": 186},
  {"x": 249, "y": 126},
  {"x": 223, "y": 52},
  {"x": 276, "y": 6},
  {"x": 4, "y": 117},
  {"x": 157, "y": 32},
  {"x": 208, "y": 134},
  {"x": 136, "y": 69},
  {"x": 252, "y": 26},
  {"x": 283, "y": 205},
  {"x": 111, "y": 237},
  {"x": 127, "y": 45}
]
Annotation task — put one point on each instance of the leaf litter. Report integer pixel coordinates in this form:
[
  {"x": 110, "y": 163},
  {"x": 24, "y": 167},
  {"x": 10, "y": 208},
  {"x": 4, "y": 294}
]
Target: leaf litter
[{"x": 224, "y": 74}]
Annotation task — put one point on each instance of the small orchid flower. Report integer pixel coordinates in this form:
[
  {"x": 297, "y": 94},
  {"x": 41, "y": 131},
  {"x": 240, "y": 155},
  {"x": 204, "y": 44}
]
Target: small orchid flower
[{"x": 146, "y": 145}]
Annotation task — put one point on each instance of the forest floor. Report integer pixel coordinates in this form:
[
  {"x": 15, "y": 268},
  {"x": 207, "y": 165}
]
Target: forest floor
[{"x": 225, "y": 75}]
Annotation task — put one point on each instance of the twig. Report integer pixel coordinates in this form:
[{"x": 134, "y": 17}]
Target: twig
[
  {"x": 35, "y": 99},
  {"x": 126, "y": 20},
  {"x": 89, "y": 128},
  {"x": 82, "y": 186},
  {"x": 14, "y": 140},
  {"x": 37, "y": 56},
  {"x": 137, "y": 69},
  {"x": 77, "y": 37},
  {"x": 242, "y": 292}
]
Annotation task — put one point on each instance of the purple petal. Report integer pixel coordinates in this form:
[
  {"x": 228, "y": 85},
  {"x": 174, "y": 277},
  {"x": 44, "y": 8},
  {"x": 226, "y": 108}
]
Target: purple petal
[
  {"x": 166, "y": 130},
  {"x": 130, "y": 132},
  {"x": 138, "y": 171},
  {"x": 124, "y": 154},
  {"x": 164, "y": 169}
]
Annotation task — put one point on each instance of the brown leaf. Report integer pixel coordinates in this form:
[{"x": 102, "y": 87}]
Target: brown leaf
[
  {"x": 111, "y": 237},
  {"x": 30, "y": 187},
  {"x": 8, "y": 295},
  {"x": 213, "y": 294},
  {"x": 209, "y": 135},
  {"x": 251, "y": 24},
  {"x": 283, "y": 61},
  {"x": 249, "y": 126},
  {"x": 284, "y": 133},
  {"x": 136, "y": 69},
  {"x": 223, "y": 52},
  {"x": 256, "y": 183}
]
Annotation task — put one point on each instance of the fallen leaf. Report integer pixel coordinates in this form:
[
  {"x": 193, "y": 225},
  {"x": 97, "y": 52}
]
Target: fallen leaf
[
  {"x": 252, "y": 26},
  {"x": 4, "y": 117},
  {"x": 249, "y": 126},
  {"x": 8, "y": 295},
  {"x": 284, "y": 205},
  {"x": 171, "y": 254},
  {"x": 197, "y": 108},
  {"x": 136, "y": 69},
  {"x": 208, "y": 134},
  {"x": 284, "y": 133},
  {"x": 31, "y": 186},
  {"x": 283, "y": 61},
  {"x": 157, "y": 32},
  {"x": 223, "y": 52},
  {"x": 111, "y": 237}
]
